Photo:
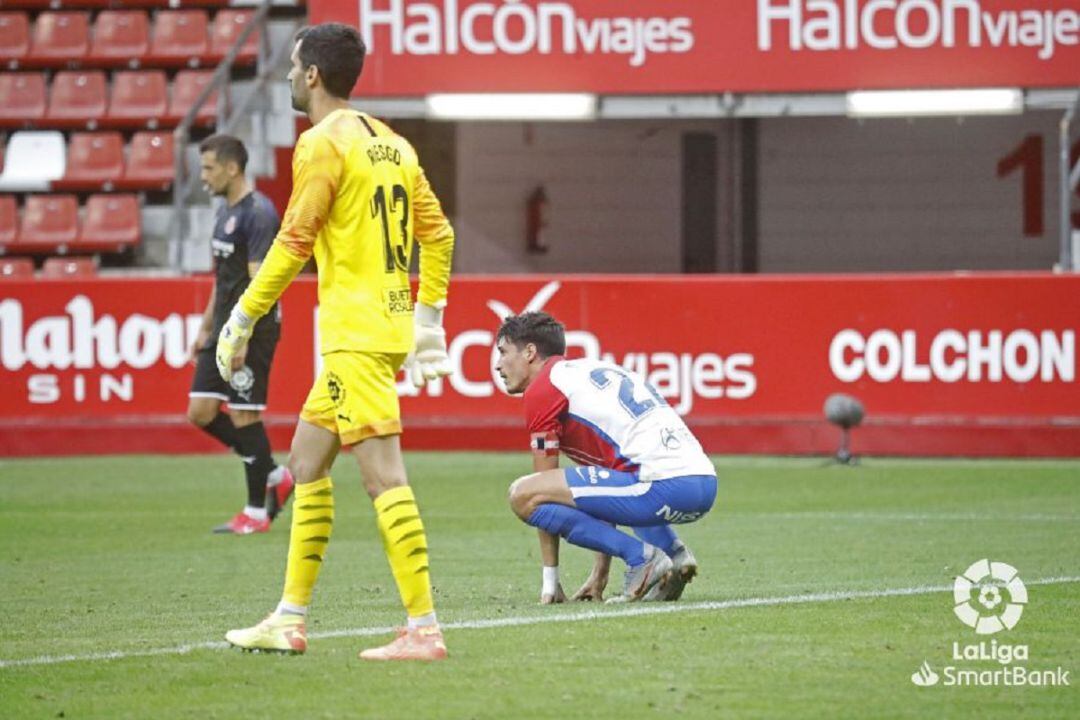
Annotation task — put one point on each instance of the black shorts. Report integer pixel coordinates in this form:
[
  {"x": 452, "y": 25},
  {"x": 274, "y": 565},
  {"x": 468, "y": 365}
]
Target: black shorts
[{"x": 248, "y": 389}]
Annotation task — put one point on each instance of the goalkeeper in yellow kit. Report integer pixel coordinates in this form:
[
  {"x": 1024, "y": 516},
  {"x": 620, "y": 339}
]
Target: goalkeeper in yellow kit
[{"x": 359, "y": 199}]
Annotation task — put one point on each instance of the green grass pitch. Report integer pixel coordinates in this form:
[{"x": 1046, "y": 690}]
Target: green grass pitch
[{"x": 822, "y": 590}]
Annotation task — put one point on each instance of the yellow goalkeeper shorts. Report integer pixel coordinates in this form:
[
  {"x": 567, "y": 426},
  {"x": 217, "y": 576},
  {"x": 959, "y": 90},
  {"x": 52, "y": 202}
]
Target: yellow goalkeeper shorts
[{"x": 355, "y": 396}]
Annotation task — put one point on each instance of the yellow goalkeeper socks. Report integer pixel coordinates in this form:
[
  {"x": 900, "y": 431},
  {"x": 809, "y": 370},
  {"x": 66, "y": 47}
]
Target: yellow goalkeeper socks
[
  {"x": 312, "y": 521},
  {"x": 406, "y": 548}
]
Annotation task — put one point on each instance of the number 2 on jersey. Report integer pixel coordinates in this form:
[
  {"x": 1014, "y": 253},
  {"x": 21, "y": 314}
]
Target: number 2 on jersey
[
  {"x": 396, "y": 254},
  {"x": 600, "y": 378}
]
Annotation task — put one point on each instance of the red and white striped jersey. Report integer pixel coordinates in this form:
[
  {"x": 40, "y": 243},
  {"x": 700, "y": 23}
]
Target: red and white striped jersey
[{"x": 598, "y": 413}]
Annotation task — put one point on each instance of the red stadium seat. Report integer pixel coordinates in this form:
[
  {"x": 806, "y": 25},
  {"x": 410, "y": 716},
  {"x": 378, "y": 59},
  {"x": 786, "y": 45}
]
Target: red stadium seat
[
  {"x": 14, "y": 38},
  {"x": 49, "y": 223},
  {"x": 59, "y": 38},
  {"x": 120, "y": 37},
  {"x": 150, "y": 162},
  {"x": 226, "y": 28},
  {"x": 185, "y": 91},
  {"x": 139, "y": 99},
  {"x": 16, "y": 268},
  {"x": 58, "y": 267},
  {"x": 149, "y": 4},
  {"x": 180, "y": 36},
  {"x": 9, "y": 220},
  {"x": 112, "y": 223},
  {"x": 22, "y": 98},
  {"x": 77, "y": 99},
  {"x": 94, "y": 161},
  {"x": 106, "y": 4}
]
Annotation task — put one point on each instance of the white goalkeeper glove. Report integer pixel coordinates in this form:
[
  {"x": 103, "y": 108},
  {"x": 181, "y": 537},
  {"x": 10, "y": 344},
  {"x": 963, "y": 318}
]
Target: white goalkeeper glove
[
  {"x": 428, "y": 360},
  {"x": 234, "y": 335}
]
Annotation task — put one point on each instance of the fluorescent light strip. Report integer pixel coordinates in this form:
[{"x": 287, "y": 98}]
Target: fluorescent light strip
[
  {"x": 891, "y": 103},
  {"x": 511, "y": 106}
]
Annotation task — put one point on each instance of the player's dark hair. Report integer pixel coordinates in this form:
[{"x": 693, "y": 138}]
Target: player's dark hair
[
  {"x": 226, "y": 148},
  {"x": 538, "y": 328},
  {"x": 338, "y": 51}
]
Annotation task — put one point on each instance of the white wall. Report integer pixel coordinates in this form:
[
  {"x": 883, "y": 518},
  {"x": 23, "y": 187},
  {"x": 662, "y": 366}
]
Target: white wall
[
  {"x": 834, "y": 195},
  {"x": 613, "y": 193},
  {"x": 840, "y": 194}
]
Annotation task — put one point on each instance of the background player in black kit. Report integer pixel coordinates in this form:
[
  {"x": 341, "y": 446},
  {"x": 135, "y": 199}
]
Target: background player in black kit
[{"x": 243, "y": 232}]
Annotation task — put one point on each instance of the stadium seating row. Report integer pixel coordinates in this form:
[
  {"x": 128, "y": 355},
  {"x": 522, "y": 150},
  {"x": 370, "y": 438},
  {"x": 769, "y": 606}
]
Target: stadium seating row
[
  {"x": 55, "y": 267},
  {"x": 122, "y": 38},
  {"x": 50, "y": 224},
  {"x": 90, "y": 162},
  {"x": 85, "y": 99},
  {"x": 114, "y": 4}
]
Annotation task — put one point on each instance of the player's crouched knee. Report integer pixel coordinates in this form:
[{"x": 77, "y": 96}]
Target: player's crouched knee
[{"x": 520, "y": 498}]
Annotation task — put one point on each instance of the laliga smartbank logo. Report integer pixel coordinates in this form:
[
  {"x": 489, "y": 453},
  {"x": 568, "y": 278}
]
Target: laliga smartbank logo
[{"x": 989, "y": 597}]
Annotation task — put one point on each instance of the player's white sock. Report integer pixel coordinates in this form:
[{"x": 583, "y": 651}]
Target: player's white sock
[
  {"x": 550, "y": 584},
  {"x": 276, "y": 476},
  {"x": 255, "y": 513},
  {"x": 647, "y": 552},
  {"x": 284, "y": 608},
  {"x": 422, "y": 621}
]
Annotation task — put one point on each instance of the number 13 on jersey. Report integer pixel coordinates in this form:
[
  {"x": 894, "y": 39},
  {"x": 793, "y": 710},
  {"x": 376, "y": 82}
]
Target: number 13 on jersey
[{"x": 396, "y": 245}]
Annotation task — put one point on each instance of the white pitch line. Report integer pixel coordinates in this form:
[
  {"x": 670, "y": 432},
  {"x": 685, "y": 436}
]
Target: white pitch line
[
  {"x": 905, "y": 517},
  {"x": 592, "y": 614}
]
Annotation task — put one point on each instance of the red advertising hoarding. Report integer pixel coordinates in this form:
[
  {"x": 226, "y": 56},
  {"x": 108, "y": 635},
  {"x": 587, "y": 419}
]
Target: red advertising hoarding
[
  {"x": 945, "y": 364},
  {"x": 419, "y": 47}
]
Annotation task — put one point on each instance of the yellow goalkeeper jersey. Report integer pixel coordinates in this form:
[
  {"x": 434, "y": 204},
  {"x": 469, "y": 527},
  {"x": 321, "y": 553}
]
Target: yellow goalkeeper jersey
[{"x": 359, "y": 200}]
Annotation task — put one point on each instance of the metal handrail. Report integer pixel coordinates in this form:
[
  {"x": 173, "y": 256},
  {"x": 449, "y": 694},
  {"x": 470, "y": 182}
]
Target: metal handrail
[
  {"x": 1070, "y": 178},
  {"x": 183, "y": 186}
]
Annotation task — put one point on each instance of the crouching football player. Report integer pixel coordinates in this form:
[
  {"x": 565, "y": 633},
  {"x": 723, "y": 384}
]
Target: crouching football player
[{"x": 640, "y": 466}]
